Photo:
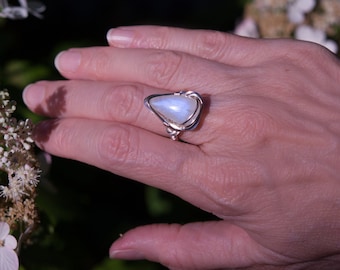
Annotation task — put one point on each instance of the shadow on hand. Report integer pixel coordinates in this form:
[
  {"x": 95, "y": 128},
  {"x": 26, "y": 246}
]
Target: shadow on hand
[{"x": 56, "y": 106}]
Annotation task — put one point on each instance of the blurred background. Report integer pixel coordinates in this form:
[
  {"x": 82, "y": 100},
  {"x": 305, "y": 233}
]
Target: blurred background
[{"x": 83, "y": 209}]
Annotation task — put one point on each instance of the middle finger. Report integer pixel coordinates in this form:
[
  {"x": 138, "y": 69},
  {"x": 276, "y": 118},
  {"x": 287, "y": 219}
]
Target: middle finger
[{"x": 162, "y": 69}]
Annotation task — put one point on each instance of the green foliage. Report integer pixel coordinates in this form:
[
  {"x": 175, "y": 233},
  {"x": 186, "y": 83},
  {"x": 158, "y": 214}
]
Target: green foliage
[
  {"x": 124, "y": 265},
  {"x": 157, "y": 205},
  {"x": 19, "y": 73}
]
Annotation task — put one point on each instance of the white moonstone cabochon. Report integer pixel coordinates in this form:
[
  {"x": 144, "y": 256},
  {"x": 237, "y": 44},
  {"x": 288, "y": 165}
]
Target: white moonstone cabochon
[{"x": 175, "y": 108}]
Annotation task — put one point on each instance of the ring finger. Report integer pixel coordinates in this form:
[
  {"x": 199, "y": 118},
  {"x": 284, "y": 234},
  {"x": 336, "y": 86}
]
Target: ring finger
[{"x": 108, "y": 101}]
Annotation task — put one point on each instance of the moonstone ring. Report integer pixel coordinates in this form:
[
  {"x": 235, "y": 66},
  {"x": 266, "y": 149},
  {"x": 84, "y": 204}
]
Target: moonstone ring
[{"x": 178, "y": 111}]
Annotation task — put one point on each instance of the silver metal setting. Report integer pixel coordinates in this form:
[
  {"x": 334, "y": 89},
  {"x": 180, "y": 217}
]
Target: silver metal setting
[{"x": 173, "y": 128}]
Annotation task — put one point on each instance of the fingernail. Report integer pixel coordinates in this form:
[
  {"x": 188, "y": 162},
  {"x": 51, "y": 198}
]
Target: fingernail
[
  {"x": 120, "y": 37},
  {"x": 126, "y": 254},
  {"x": 33, "y": 95},
  {"x": 68, "y": 61}
]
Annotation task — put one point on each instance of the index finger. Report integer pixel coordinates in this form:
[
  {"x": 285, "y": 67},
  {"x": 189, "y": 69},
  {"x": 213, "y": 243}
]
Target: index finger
[{"x": 213, "y": 45}]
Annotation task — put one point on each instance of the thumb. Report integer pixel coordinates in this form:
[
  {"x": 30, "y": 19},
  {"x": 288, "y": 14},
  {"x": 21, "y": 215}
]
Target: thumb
[{"x": 201, "y": 245}]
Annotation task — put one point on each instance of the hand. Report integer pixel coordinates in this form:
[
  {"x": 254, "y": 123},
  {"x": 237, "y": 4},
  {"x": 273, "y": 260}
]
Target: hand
[{"x": 265, "y": 158}]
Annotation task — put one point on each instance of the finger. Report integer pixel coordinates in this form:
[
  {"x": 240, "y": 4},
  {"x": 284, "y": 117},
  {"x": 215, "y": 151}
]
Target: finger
[
  {"x": 109, "y": 101},
  {"x": 159, "y": 69},
  {"x": 117, "y": 102},
  {"x": 208, "y": 245},
  {"x": 213, "y": 45},
  {"x": 127, "y": 151}
]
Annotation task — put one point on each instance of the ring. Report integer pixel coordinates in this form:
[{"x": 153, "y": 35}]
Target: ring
[{"x": 178, "y": 111}]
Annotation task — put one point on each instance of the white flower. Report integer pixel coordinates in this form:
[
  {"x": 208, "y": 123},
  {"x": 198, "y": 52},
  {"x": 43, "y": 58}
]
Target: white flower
[
  {"x": 8, "y": 258},
  {"x": 22, "y": 11},
  {"x": 14, "y": 13},
  {"x": 298, "y": 8},
  {"x": 247, "y": 28},
  {"x": 308, "y": 33}
]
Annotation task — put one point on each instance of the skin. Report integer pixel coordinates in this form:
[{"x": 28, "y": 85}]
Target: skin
[{"x": 264, "y": 159}]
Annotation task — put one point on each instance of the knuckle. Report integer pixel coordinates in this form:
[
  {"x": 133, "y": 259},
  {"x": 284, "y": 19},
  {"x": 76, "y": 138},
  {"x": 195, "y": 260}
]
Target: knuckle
[
  {"x": 123, "y": 103},
  {"x": 162, "y": 67},
  {"x": 311, "y": 48},
  {"x": 118, "y": 146},
  {"x": 250, "y": 121},
  {"x": 254, "y": 125},
  {"x": 307, "y": 53},
  {"x": 98, "y": 64},
  {"x": 158, "y": 40},
  {"x": 212, "y": 45}
]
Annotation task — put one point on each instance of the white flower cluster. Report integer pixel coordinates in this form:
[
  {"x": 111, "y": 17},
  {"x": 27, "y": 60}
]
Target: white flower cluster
[
  {"x": 22, "y": 10},
  {"x": 15, "y": 156},
  {"x": 21, "y": 182},
  {"x": 292, "y": 16},
  {"x": 298, "y": 8},
  {"x": 19, "y": 178},
  {"x": 296, "y": 14}
]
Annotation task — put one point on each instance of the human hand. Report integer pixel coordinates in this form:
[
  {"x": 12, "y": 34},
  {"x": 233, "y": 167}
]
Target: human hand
[{"x": 265, "y": 158}]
